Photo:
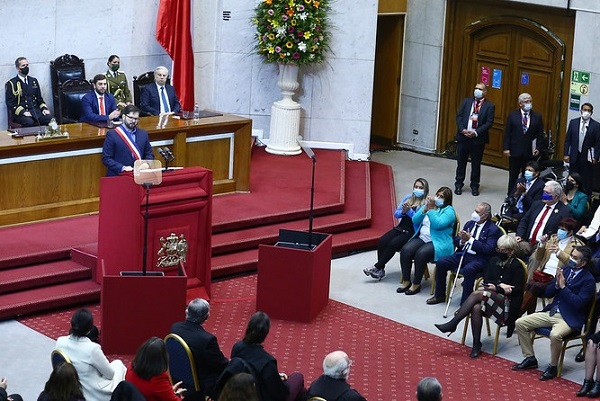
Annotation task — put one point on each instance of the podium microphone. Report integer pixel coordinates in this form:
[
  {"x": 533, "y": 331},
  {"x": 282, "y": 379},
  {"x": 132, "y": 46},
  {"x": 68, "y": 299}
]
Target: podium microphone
[
  {"x": 169, "y": 154},
  {"x": 309, "y": 152}
]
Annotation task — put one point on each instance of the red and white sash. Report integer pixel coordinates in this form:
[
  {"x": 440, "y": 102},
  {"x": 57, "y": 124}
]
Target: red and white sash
[{"x": 134, "y": 150}]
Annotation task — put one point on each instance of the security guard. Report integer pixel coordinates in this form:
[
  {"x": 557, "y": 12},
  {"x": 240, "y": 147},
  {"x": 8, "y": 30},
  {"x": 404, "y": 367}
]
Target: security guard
[{"x": 117, "y": 82}]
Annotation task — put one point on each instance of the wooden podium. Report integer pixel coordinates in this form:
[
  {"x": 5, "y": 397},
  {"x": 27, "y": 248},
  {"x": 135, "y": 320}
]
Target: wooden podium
[{"x": 293, "y": 279}]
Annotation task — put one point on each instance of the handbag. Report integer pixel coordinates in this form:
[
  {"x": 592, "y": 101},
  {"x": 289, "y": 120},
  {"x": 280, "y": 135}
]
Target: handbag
[{"x": 541, "y": 277}]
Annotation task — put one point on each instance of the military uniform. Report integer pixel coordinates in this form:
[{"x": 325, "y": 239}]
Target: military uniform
[
  {"x": 21, "y": 97},
  {"x": 118, "y": 87}
]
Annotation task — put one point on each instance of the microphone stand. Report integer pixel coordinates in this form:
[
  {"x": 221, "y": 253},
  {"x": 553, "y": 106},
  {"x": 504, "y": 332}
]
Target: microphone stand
[
  {"x": 146, "y": 218},
  {"x": 309, "y": 152}
]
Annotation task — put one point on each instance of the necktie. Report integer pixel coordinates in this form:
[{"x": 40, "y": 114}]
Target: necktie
[
  {"x": 571, "y": 276},
  {"x": 539, "y": 225},
  {"x": 581, "y": 136},
  {"x": 475, "y": 231},
  {"x": 102, "y": 111},
  {"x": 476, "y": 106},
  {"x": 26, "y": 83},
  {"x": 525, "y": 122},
  {"x": 164, "y": 99}
]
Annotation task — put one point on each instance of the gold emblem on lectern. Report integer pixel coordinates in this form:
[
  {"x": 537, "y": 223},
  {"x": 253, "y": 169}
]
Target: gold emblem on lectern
[{"x": 173, "y": 250}]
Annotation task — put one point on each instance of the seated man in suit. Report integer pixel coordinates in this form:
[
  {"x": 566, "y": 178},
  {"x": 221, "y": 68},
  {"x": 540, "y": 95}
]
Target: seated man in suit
[
  {"x": 209, "y": 360},
  {"x": 126, "y": 144},
  {"x": 332, "y": 384},
  {"x": 98, "y": 106},
  {"x": 24, "y": 98},
  {"x": 573, "y": 290},
  {"x": 528, "y": 189},
  {"x": 159, "y": 98},
  {"x": 476, "y": 243},
  {"x": 543, "y": 216}
]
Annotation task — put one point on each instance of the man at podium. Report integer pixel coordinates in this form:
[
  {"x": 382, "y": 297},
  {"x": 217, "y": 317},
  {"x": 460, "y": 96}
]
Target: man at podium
[{"x": 126, "y": 144}]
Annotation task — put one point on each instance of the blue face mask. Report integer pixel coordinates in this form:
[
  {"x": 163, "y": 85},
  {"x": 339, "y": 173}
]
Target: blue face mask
[
  {"x": 418, "y": 192},
  {"x": 561, "y": 234},
  {"x": 572, "y": 263},
  {"x": 547, "y": 197},
  {"x": 439, "y": 202},
  {"x": 528, "y": 175}
]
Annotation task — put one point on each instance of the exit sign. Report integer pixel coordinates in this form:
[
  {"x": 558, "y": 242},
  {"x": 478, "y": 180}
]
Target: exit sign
[{"x": 581, "y": 77}]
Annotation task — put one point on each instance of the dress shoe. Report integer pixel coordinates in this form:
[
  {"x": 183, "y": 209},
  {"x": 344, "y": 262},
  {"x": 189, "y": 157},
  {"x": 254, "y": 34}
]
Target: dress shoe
[
  {"x": 528, "y": 363},
  {"x": 475, "y": 192},
  {"x": 448, "y": 327},
  {"x": 458, "y": 190},
  {"x": 412, "y": 292},
  {"x": 580, "y": 357},
  {"x": 549, "y": 374},
  {"x": 595, "y": 391},
  {"x": 435, "y": 300},
  {"x": 400, "y": 290},
  {"x": 476, "y": 350},
  {"x": 585, "y": 388}
]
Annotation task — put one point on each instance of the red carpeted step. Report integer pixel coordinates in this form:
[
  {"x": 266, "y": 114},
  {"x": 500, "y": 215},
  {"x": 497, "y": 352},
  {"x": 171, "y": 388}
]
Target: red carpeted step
[
  {"x": 45, "y": 298},
  {"x": 23, "y": 278},
  {"x": 85, "y": 255}
]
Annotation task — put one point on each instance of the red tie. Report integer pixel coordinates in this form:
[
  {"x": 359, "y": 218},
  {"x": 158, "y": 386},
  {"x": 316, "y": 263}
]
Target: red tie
[
  {"x": 539, "y": 225},
  {"x": 102, "y": 111}
]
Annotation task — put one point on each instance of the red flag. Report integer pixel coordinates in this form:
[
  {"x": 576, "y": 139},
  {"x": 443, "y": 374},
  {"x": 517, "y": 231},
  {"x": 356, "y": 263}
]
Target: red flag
[{"x": 173, "y": 34}]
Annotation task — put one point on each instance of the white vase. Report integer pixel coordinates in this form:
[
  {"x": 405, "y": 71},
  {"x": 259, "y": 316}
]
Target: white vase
[{"x": 285, "y": 114}]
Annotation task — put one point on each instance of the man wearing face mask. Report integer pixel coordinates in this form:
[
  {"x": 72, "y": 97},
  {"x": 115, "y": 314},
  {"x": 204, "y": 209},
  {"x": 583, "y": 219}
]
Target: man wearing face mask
[
  {"x": 473, "y": 121},
  {"x": 544, "y": 215},
  {"x": 477, "y": 242},
  {"x": 528, "y": 189},
  {"x": 126, "y": 144},
  {"x": 24, "y": 97},
  {"x": 573, "y": 289},
  {"x": 582, "y": 145},
  {"x": 523, "y": 138}
]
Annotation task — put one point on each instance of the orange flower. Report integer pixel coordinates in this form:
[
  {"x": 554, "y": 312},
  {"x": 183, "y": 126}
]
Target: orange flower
[
  {"x": 290, "y": 12},
  {"x": 316, "y": 4}
]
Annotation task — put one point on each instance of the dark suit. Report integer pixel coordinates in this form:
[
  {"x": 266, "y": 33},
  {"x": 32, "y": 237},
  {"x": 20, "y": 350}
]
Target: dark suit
[
  {"x": 116, "y": 154},
  {"x": 526, "y": 225},
  {"x": 531, "y": 195},
  {"x": 208, "y": 358},
  {"x": 21, "y": 98},
  {"x": 150, "y": 101},
  {"x": 90, "y": 111},
  {"x": 333, "y": 389},
  {"x": 472, "y": 265},
  {"x": 578, "y": 161},
  {"x": 473, "y": 147},
  {"x": 519, "y": 144}
]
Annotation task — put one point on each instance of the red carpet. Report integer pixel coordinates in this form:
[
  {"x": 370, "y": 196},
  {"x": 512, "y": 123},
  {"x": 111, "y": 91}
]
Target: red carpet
[{"x": 389, "y": 358}]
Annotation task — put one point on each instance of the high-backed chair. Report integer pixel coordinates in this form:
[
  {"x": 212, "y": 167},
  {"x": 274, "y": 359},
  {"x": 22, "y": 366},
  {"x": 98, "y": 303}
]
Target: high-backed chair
[
  {"x": 62, "y": 69},
  {"x": 181, "y": 362},
  {"x": 69, "y": 102},
  {"x": 139, "y": 82},
  {"x": 57, "y": 357},
  {"x": 315, "y": 398}
]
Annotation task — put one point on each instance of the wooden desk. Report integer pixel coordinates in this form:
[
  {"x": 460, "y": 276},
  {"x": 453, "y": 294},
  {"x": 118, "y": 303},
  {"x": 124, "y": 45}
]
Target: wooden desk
[{"x": 61, "y": 177}]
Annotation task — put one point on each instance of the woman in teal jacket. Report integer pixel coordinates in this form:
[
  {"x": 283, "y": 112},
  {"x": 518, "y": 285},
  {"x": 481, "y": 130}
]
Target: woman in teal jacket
[
  {"x": 432, "y": 240},
  {"x": 575, "y": 197}
]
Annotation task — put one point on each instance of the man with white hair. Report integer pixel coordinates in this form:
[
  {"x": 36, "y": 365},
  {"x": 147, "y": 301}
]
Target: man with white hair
[
  {"x": 159, "y": 98},
  {"x": 208, "y": 358},
  {"x": 332, "y": 384},
  {"x": 429, "y": 389}
]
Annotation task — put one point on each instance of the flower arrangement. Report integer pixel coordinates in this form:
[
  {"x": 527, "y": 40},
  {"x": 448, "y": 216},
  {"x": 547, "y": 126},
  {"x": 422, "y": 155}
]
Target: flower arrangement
[{"x": 292, "y": 31}]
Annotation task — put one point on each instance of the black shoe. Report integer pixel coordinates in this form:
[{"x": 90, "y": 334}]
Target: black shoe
[
  {"x": 475, "y": 191},
  {"x": 580, "y": 357},
  {"x": 549, "y": 374},
  {"x": 476, "y": 350},
  {"x": 412, "y": 292},
  {"x": 435, "y": 300},
  {"x": 585, "y": 388},
  {"x": 446, "y": 328},
  {"x": 510, "y": 328},
  {"x": 528, "y": 363},
  {"x": 595, "y": 391},
  {"x": 400, "y": 290},
  {"x": 458, "y": 190}
]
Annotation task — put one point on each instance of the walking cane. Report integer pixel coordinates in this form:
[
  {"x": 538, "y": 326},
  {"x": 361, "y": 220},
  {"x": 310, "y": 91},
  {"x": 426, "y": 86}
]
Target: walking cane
[{"x": 465, "y": 249}]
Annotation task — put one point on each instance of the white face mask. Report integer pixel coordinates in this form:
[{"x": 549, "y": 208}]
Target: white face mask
[
  {"x": 527, "y": 106},
  {"x": 586, "y": 115},
  {"x": 475, "y": 217},
  {"x": 478, "y": 93}
]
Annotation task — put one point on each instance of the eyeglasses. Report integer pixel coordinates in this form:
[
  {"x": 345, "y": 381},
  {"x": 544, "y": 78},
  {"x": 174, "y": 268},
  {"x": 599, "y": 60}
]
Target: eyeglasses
[{"x": 133, "y": 118}]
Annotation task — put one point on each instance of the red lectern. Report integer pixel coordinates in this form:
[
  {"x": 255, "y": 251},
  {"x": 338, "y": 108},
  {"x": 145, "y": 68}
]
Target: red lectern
[{"x": 293, "y": 278}]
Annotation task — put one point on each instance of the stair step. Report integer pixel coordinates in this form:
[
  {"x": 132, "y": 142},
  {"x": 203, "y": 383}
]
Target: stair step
[
  {"x": 42, "y": 275},
  {"x": 12, "y": 261},
  {"x": 85, "y": 255},
  {"x": 45, "y": 298}
]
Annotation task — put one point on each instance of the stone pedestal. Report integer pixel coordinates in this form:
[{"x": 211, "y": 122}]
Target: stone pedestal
[{"x": 285, "y": 115}]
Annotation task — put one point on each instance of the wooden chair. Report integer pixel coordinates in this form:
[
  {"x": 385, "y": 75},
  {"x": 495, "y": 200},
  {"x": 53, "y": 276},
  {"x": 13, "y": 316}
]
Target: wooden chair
[
  {"x": 69, "y": 101},
  {"x": 57, "y": 357},
  {"x": 487, "y": 320},
  {"x": 544, "y": 332},
  {"x": 62, "y": 69},
  {"x": 181, "y": 362}
]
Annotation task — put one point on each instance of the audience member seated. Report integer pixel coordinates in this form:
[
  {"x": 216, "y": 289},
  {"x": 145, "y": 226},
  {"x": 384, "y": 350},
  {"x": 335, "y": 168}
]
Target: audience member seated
[
  {"x": 159, "y": 98},
  {"x": 240, "y": 387},
  {"x": 98, "y": 377},
  {"x": 332, "y": 384},
  {"x": 591, "y": 388},
  {"x": 475, "y": 244},
  {"x": 63, "y": 385},
  {"x": 3, "y": 394},
  {"x": 590, "y": 232},
  {"x": 117, "y": 82},
  {"x": 502, "y": 286},
  {"x": 148, "y": 372},
  {"x": 552, "y": 253},
  {"x": 573, "y": 290},
  {"x": 528, "y": 189},
  {"x": 24, "y": 97},
  {"x": 272, "y": 385},
  {"x": 429, "y": 389},
  {"x": 208, "y": 358},
  {"x": 575, "y": 197},
  {"x": 126, "y": 144},
  {"x": 434, "y": 223},
  {"x": 392, "y": 241},
  {"x": 543, "y": 216},
  {"x": 97, "y": 106}
]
